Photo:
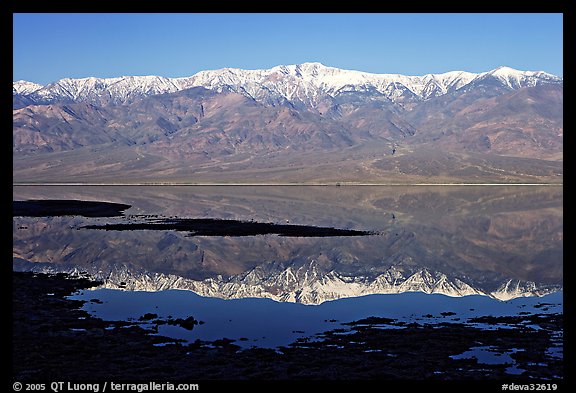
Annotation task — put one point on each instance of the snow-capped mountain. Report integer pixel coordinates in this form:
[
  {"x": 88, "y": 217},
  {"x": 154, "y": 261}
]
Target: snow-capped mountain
[
  {"x": 100, "y": 90},
  {"x": 301, "y": 84},
  {"x": 306, "y": 284},
  {"x": 233, "y": 116},
  {"x": 515, "y": 79},
  {"x": 25, "y": 87},
  {"x": 309, "y": 285},
  {"x": 309, "y": 83}
]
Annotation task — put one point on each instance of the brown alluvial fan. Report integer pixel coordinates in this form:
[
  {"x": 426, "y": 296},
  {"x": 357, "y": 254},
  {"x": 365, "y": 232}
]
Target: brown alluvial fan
[{"x": 299, "y": 123}]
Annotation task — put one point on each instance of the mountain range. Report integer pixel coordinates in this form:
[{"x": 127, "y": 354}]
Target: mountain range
[
  {"x": 497, "y": 241},
  {"x": 305, "y": 284},
  {"x": 295, "y": 123}
]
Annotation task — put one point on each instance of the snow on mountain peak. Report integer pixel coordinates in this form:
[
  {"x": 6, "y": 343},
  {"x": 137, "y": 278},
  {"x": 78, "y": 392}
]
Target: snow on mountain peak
[
  {"x": 504, "y": 70},
  {"x": 515, "y": 79},
  {"x": 306, "y": 284},
  {"x": 303, "y": 83},
  {"x": 24, "y": 87}
]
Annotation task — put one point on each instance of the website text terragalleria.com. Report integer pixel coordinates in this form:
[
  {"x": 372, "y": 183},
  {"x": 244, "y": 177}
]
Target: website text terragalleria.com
[{"x": 98, "y": 387}]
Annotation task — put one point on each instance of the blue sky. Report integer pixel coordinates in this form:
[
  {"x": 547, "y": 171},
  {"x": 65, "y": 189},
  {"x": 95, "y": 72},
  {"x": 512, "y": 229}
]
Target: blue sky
[{"x": 48, "y": 47}]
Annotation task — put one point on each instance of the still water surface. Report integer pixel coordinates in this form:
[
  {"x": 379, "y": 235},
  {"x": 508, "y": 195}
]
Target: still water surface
[{"x": 431, "y": 249}]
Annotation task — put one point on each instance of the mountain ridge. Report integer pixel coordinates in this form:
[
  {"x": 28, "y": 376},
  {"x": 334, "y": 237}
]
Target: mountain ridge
[
  {"x": 291, "y": 82},
  {"x": 292, "y": 123},
  {"x": 305, "y": 284}
]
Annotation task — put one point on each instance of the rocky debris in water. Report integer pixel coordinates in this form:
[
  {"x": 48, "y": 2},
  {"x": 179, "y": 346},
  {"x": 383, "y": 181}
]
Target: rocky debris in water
[
  {"x": 186, "y": 323},
  {"x": 372, "y": 321},
  {"x": 218, "y": 227},
  {"x": 45, "y": 347},
  {"x": 225, "y": 343},
  {"x": 148, "y": 316},
  {"x": 544, "y": 321}
]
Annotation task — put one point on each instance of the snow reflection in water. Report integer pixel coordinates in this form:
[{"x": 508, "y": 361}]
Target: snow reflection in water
[{"x": 269, "y": 324}]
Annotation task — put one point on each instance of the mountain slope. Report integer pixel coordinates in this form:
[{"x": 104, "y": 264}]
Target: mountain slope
[
  {"x": 52, "y": 128},
  {"x": 305, "y": 285},
  {"x": 527, "y": 122},
  {"x": 193, "y": 121},
  {"x": 294, "y": 123}
]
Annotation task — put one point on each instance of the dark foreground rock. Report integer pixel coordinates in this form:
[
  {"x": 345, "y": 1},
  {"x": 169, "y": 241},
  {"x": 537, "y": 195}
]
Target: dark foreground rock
[
  {"x": 219, "y": 227},
  {"x": 58, "y": 207},
  {"x": 54, "y": 340}
]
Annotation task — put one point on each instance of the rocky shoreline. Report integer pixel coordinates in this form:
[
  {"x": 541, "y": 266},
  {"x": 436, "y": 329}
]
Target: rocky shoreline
[{"x": 53, "y": 339}]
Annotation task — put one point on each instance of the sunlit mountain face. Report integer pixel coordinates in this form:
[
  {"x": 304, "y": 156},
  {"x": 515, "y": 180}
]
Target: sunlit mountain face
[{"x": 296, "y": 123}]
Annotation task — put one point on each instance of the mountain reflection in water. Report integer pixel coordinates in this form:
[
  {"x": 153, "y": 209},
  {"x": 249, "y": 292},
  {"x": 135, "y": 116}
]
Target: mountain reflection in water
[{"x": 500, "y": 241}]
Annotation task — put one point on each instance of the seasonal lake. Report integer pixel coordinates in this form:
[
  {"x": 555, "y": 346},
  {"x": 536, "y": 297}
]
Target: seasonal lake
[{"x": 270, "y": 266}]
